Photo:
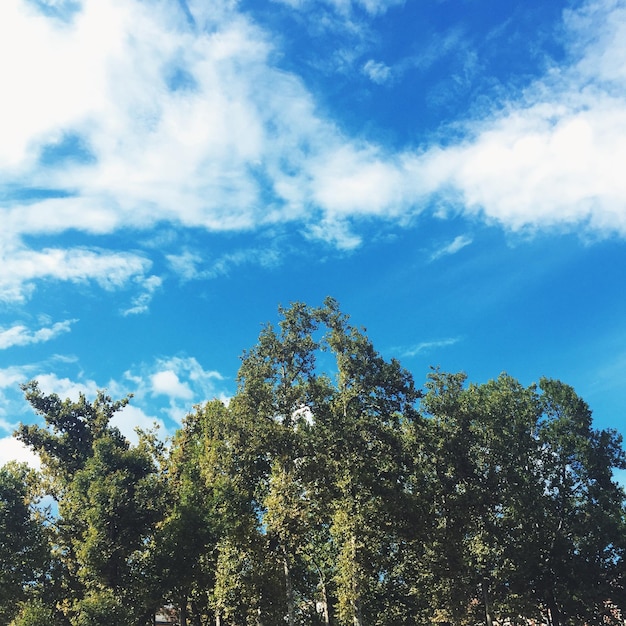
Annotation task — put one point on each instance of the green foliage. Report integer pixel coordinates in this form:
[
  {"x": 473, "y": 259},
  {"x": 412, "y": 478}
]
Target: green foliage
[
  {"x": 23, "y": 541},
  {"x": 528, "y": 515},
  {"x": 36, "y": 613},
  {"x": 110, "y": 497},
  {"x": 330, "y": 490},
  {"x": 101, "y": 606}
]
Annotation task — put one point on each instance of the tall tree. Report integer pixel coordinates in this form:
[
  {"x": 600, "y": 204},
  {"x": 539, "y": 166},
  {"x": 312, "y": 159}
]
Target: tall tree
[
  {"x": 581, "y": 515},
  {"x": 327, "y": 418},
  {"x": 373, "y": 401},
  {"x": 528, "y": 516},
  {"x": 208, "y": 502},
  {"x": 278, "y": 392}
]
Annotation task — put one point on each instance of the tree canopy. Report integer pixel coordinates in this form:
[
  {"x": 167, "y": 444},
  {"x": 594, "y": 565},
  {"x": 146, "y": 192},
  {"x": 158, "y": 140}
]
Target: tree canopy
[{"x": 329, "y": 490}]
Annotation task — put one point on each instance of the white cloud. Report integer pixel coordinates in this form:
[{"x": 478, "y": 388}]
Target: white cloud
[
  {"x": 142, "y": 300},
  {"x": 353, "y": 182},
  {"x": 21, "y": 267},
  {"x": 13, "y": 376},
  {"x": 13, "y": 450},
  {"x": 181, "y": 381},
  {"x": 163, "y": 392},
  {"x": 132, "y": 417},
  {"x": 167, "y": 383},
  {"x": 377, "y": 71},
  {"x": 428, "y": 346},
  {"x": 544, "y": 166},
  {"x": 66, "y": 387},
  {"x": 185, "y": 264},
  {"x": 238, "y": 144},
  {"x": 186, "y": 156},
  {"x": 12, "y": 404},
  {"x": 553, "y": 159},
  {"x": 20, "y": 335},
  {"x": 167, "y": 378},
  {"x": 453, "y": 247}
]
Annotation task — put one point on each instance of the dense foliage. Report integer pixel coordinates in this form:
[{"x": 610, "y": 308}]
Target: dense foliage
[{"x": 330, "y": 490}]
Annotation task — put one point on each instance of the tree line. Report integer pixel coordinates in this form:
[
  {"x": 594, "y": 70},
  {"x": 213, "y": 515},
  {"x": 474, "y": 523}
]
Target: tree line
[{"x": 330, "y": 490}]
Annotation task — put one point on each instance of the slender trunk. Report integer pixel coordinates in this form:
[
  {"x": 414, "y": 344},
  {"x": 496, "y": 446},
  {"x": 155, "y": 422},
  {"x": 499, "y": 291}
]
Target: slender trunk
[
  {"x": 325, "y": 611},
  {"x": 183, "y": 613},
  {"x": 196, "y": 619},
  {"x": 485, "y": 589},
  {"x": 291, "y": 612},
  {"x": 553, "y": 611},
  {"x": 357, "y": 618},
  {"x": 218, "y": 618}
]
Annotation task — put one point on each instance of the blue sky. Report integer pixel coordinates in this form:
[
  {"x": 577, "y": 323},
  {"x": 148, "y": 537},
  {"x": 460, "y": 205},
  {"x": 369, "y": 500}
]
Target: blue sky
[{"x": 452, "y": 171}]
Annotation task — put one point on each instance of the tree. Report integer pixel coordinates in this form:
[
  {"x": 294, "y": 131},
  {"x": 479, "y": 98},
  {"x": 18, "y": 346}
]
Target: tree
[
  {"x": 109, "y": 499},
  {"x": 327, "y": 457},
  {"x": 581, "y": 516},
  {"x": 36, "y": 612},
  {"x": 330, "y": 490},
  {"x": 278, "y": 392},
  {"x": 205, "y": 503},
  {"x": 24, "y": 549},
  {"x": 527, "y": 514},
  {"x": 371, "y": 407}
]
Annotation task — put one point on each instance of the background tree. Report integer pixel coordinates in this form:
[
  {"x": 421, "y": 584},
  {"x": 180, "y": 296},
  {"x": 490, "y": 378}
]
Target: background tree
[
  {"x": 581, "y": 513},
  {"x": 527, "y": 515}
]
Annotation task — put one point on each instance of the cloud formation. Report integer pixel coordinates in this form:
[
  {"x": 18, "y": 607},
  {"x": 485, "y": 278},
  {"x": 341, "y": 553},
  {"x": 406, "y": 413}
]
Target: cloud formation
[
  {"x": 162, "y": 391},
  {"x": 128, "y": 116},
  {"x": 20, "y": 335},
  {"x": 13, "y": 450}
]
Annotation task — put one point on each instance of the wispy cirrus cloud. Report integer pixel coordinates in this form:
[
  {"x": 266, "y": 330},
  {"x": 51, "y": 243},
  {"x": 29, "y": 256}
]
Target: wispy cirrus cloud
[
  {"x": 346, "y": 7},
  {"x": 190, "y": 265},
  {"x": 428, "y": 346},
  {"x": 21, "y": 335},
  {"x": 458, "y": 243},
  {"x": 147, "y": 288},
  {"x": 377, "y": 71},
  {"x": 21, "y": 267}
]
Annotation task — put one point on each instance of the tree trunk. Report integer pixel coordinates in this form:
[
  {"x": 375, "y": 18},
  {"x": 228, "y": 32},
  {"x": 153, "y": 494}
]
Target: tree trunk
[
  {"x": 553, "y": 611},
  {"x": 291, "y": 612},
  {"x": 183, "y": 613},
  {"x": 325, "y": 610},
  {"x": 357, "y": 617},
  {"x": 196, "y": 619},
  {"x": 485, "y": 589}
]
